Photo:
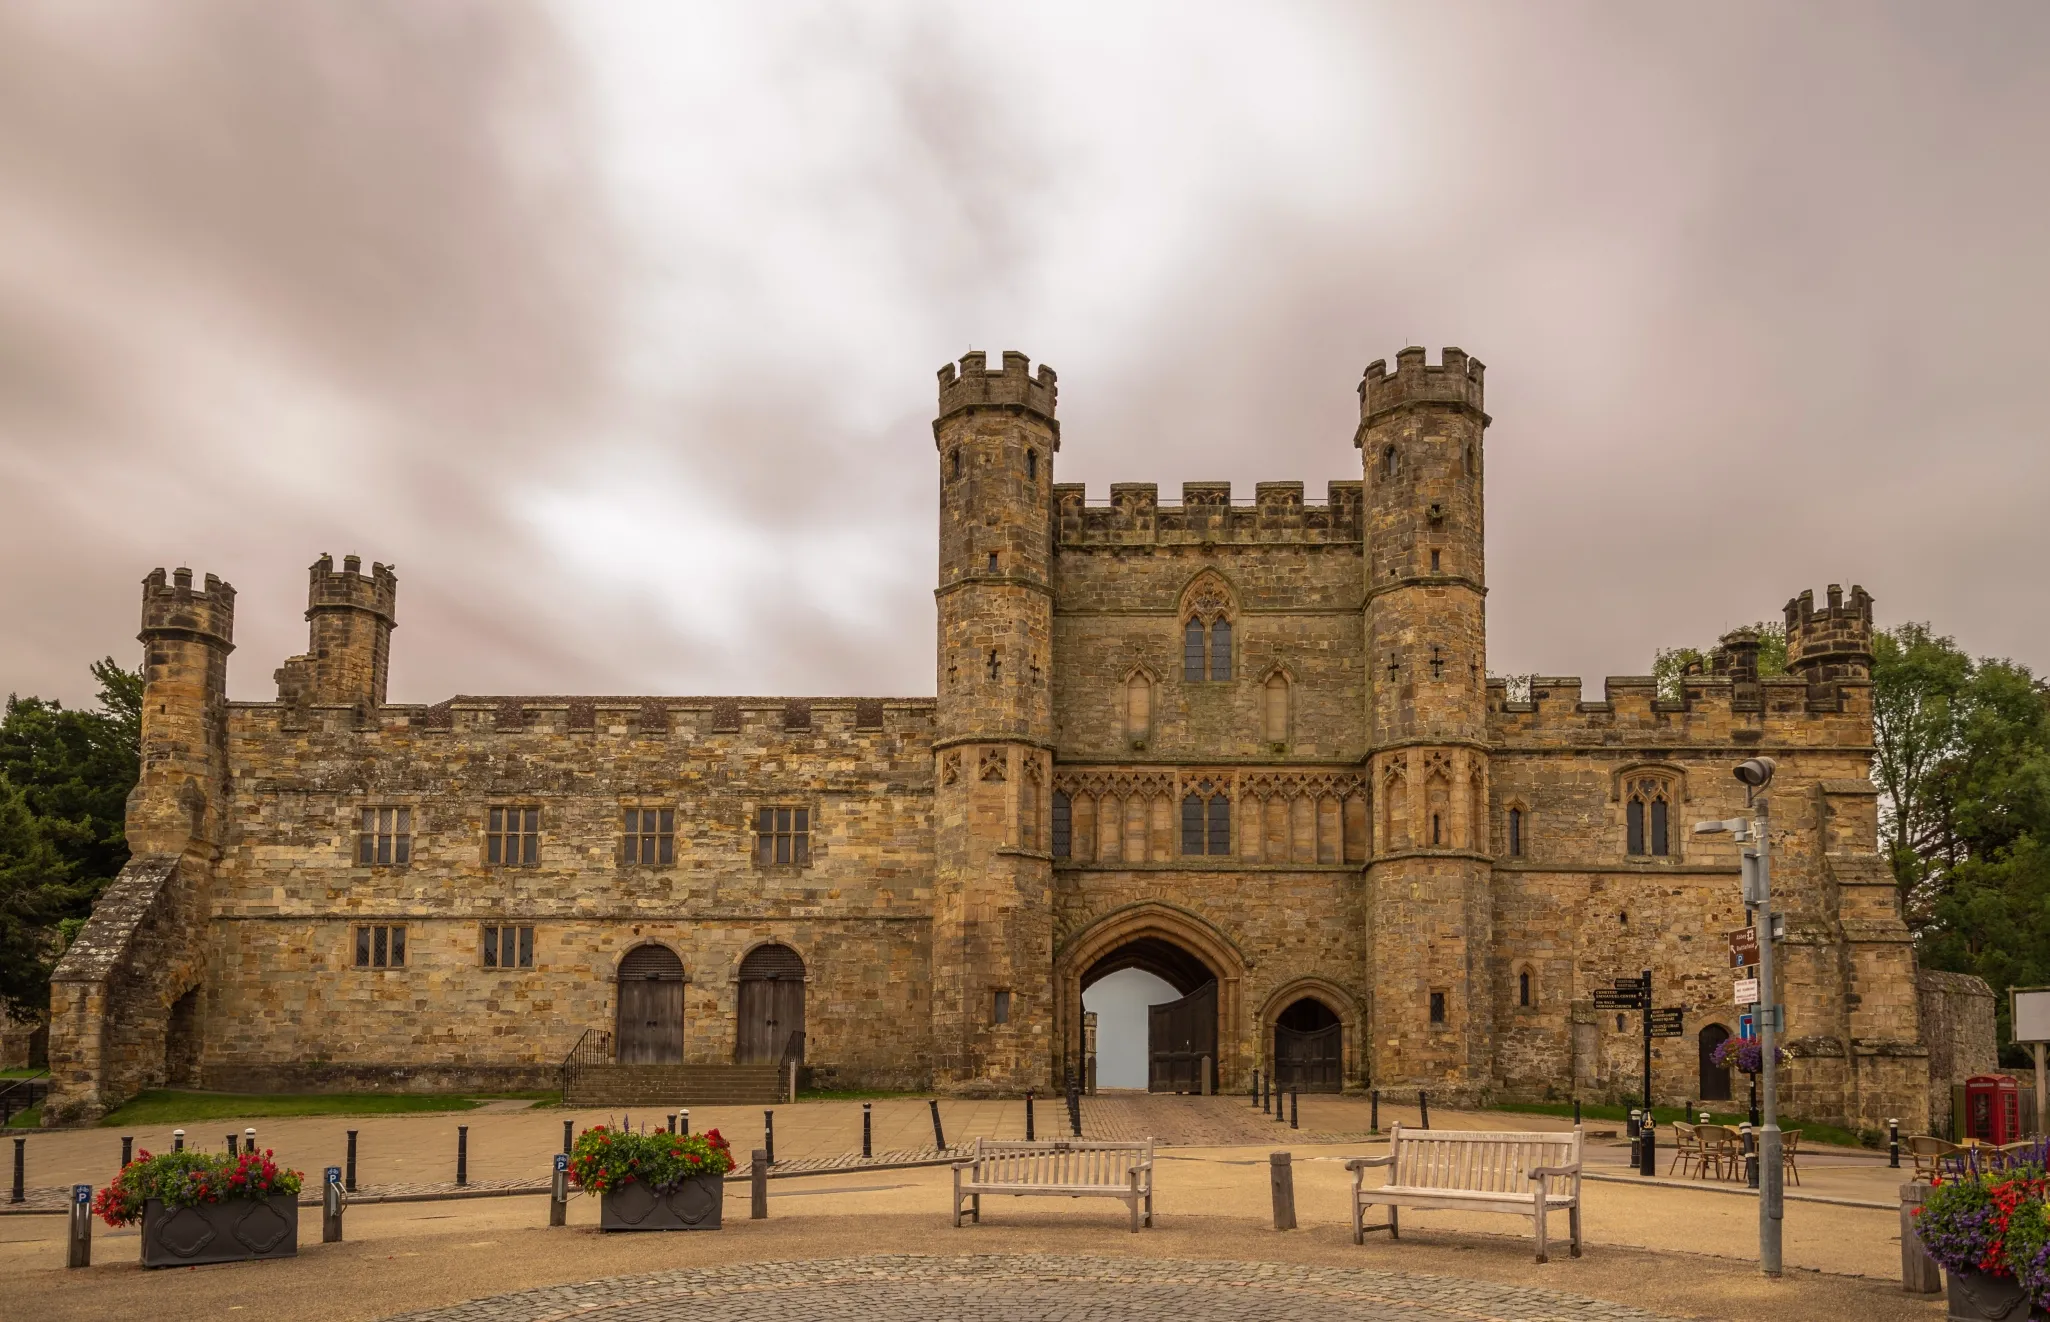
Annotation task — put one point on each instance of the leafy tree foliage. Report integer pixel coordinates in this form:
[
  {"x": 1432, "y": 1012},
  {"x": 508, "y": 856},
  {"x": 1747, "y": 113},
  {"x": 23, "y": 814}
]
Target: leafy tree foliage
[
  {"x": 64, "y": 782},
  {"x": 1671, "y": 663}
]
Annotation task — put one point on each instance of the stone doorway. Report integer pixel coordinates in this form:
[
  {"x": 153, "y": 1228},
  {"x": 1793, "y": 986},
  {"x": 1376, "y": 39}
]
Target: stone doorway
[
  {"x": 1309, "y": 1048},
  {"x": 182, "y": 1042},
  {"x": 771, "y": 1007},
  {"x": 1181, "y": 1034},
  {"x": 650, "y": 1024},
  {"x": 1715, "y": 1080}
]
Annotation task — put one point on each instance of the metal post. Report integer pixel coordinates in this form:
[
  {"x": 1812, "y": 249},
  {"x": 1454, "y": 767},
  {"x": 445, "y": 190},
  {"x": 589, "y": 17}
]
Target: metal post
[
  {"x": 867, "y": 1129},
  {"x": 1423, "y": 1104},
  {"x": 1576, "y": 1113},
  {"x": 793, "y": 1083},
  {"x": 1028, "y": 1115},
  {"x": 1266, "y": 1087},
  {"x": 1772, "y": 1177},
  {"x": 1281, "y": 1178},
  {"x": 769, "y": 1135},
  {"x": 81, "y": 1247},
  {"x": 462, "y": 1155},
  {"x": 758, "y": 1170},
  {"x": 127, "y": 1148},
  {"x": 1893, "y": 1144},
  {"x": 1648, "y": 1131},
  {"x": 231, "y": 1145},
  {"x": 2042, "y": 1098},
  {"x": 1630, "y": 1130},
  {"x": 349, "y": 1176},
  {"x": 939, "y": 1136},
  {"x": 683, "y": 1120},
  {"x": 1074, "y": 1109},
  {"x": 177, "y": 1140},
  {"x": 249, "y": 1139},
  {"x": 1254, "y": 1098},
  {"x": 20, "y": 1193},
  {"x": 1749, "y": 1133},
  {"x": 568, "y": 1126},
  {"x": 1293, "y": 1119},
  {"x": 672, "y": 1122},
  {"x": 1374, "y": 1111},
  {"x": 558, "y": 1192},
  {"x": 331, "y": 1206}
]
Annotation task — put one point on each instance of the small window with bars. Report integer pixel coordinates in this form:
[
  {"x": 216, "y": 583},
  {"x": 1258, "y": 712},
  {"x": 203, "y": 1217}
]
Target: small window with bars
[
  {"x": 649, "y": 837},
  {"x": 508, "y": 947},
  {"x": 512, "y": 837},
  {"x": 1437, "y": 1007},
  {"x": 386, "y": 838},
  {"x": 381, "y": 946},
  {"x": 783, "y": 835}
]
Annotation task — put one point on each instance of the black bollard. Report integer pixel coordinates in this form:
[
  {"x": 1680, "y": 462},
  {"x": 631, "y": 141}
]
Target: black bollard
[
  {"x": 1266, "y": 1091},
  {"x": 568, "y": 1126},
  {"x": 1374, "y": 1111},
  {"x": 349, "y": 1172},
  {"x": 1893, "y": 1144},
  {"x": 769, "y": 1135},
  {"x": 20, "y": 1193},
  {"x": 1576, "y": 1111},
  {"x": 672, "y": 1122},
  {"x": 462, "y": 1155},
  {"x": 249, "y": 1139},
  {"x": 177, "y": 1140},
  {"x": 1423, "y": 1104},
  {"x": 127, "y": 1148},
  {"x": 1255, "y": 1097},
  {"x": 867, "y": 1130},
  {"x": 81, "y": 1248},
  {"x": 1028, "y": 1115},
  {"x": 1293, "y": 1098},
  {"x": 758, "y": 1169},
  {"x": 231, "y": 1145},
  {"x": 683, "y": 1120},
  {"x": 331, "y": 1206},
  {"x": 939, "y": 1136}
]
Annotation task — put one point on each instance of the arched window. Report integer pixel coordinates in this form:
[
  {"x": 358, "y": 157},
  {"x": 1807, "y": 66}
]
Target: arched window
[
  {"x": 1647, "y": 813},
  {"x": 1063, "y": 825},
  {"x": 1220, "y": 648},
  {"x": 1514, "y": 833},
  {"x": 1206, "y": 820},
  {"x": 955, "y": 458},
  {"x": 1437, "y": 831},
  {"x": 1275, "y": 712},
  {"x": 1192, "y": 651},
  {"x": 1523, "y": 995},
  {"x": 1388, "y": 462},
  {"x": 1138, "y": 706},
  {"x": 1032, "y": 465}
]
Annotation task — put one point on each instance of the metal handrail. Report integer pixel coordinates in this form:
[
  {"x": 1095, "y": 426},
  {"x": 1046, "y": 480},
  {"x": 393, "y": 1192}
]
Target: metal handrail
[
  {"x": 593, "y": 1048},
  {"x": 23, "y": 1093}
]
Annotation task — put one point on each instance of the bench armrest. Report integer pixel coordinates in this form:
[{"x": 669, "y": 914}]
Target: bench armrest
[
  {"x": 968, "y": 1165},
  {"x": 1146, "y": 1165},
  {"x": 1536, "y": 1171},
  {"x": 1362, "y": 1163}
]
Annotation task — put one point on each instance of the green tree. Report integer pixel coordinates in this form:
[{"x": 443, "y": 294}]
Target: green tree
[
  {"x": 64, "y": 782},
  {"x": 1918, "y": 678},
  {"x": 1670, "y": 663}
]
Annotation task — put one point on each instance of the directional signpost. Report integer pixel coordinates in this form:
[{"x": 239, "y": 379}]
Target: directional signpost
[
  {"x": 1666, "y": 1022},
  {"x": 1744, "y": 948}
]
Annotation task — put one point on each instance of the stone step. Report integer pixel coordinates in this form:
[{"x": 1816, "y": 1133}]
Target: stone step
[{"x": 677, "y": 1085}]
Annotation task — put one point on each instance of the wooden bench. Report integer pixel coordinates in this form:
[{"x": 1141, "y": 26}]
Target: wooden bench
[
  {"x": 1069, "y": 1168},
  {"x": 1450, "y": 1170}
]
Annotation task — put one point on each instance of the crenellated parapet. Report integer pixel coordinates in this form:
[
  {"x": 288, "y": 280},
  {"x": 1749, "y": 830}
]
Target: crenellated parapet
[
  {"x": 1012, "y": 386},
  {"x": 349, "y": 616},
  {"x": 349, "y": 588},
  {"x": 173, "y": 609},
  {"x": 1279, "y": 513},
  {"x": 1456, "y": 381},
  {"x": 1827, "y": 646}
]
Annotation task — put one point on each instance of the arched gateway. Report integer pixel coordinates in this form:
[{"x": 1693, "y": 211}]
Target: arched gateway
[{"x": 1189, "y": 955}]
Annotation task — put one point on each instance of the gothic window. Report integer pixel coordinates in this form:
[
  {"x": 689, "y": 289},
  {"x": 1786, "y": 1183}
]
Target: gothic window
[
  {"x": 1647, "y": 814},
  {"x": 1220, "y": 648},
  {"x": 1192, "y": 651},
  {"x": 1206, "y": 820},
  {"x": 783, "y": 835},
  {"x": 1032, "y": 465},
  {"x": 386, "y": 839},
  {"x": 1388, "y": 462},
  {"x": 649, "y": 837},
  {"x": 1220, "y": 824},
  {"x": 1434, "y": 559},
  {"x": 1138, "y": 706},
  {"x": 956, "y": 458},
  {"x": 1063, "y": 825},
  {"x": 1514, "y": 833},
  {"x": 1275, "y": 708},
  {"x": 1525, "y": 997},
  {"x": 1437, "y": 831},
  {"x": 512, "y": 837},
  {"x": 992, "y": 562}
]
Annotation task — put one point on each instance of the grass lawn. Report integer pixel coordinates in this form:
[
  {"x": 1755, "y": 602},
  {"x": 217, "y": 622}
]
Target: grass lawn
[
  {"x": 20, "y": 1072},
  {"x": 29, "y": 1119},
  {"x": 1666, "y": 1115},
  {"x": 165, "y": 1107}
]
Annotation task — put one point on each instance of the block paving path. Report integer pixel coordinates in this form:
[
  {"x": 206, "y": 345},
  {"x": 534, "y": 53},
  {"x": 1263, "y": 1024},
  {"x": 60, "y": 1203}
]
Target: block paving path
[{"x": 1032, "y": 1288}]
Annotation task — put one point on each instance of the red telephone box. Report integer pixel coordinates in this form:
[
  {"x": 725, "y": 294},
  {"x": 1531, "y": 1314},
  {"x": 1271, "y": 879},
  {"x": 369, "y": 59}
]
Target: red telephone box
[{"x": 1993, "y": 1108}]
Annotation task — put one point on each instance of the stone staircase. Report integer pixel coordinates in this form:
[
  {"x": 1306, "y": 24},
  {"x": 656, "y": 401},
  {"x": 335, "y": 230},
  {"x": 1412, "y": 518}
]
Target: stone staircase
[{"x": 675, "y": 1085}]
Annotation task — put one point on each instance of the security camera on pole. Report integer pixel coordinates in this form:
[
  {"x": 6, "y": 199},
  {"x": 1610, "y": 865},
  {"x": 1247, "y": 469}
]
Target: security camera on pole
[{"x": 1754, "y": 835}]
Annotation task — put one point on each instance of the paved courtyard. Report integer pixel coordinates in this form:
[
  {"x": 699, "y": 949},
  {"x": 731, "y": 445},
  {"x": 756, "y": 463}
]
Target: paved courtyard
[{"x": 1031, "y": 1288}]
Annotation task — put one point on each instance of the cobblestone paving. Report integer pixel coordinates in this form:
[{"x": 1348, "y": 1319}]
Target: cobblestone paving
[
  {"x": 1032, "y": 1288},
  {"x": 1174, "y": 1120}
]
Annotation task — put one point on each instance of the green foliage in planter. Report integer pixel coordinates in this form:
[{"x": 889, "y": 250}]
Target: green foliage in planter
[
  {"x": 189, "y": 1178},
  {"x": 604, "y": 1158}
]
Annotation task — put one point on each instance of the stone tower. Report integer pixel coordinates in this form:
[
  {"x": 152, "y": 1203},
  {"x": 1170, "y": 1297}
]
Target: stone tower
[
  {"x": 992, "y": 935},
  {"x": 1429, "y": 910},
  {"x": 350, "y": 616},
  {"x": 175, "y": 807}
]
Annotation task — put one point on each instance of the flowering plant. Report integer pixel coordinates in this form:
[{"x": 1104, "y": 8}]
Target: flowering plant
[
  {"x": 187, "y": 1179},
  {"x": 1992, "y": 1221},
  {"x": 1745, "y": 1054},
  {"x": 604, "y": 1158}
]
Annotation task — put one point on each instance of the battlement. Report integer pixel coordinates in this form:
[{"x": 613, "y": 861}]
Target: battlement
[
  {"x": 351, "y": 589},
  {"x": 1207, "y": 513},
  {"x": 1456, "y": 381},
  {"x": 1011, "y": 386},
  {"x": 172, "y": 609},
  {"x": 1834, "y": 643}
]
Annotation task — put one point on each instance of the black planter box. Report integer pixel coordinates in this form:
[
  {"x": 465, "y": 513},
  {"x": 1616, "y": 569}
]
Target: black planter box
[
  {"x": 696, "y": 1204},
  {"x": 1978, "y": 1297},
  {"x": 239, "y": 1230}
]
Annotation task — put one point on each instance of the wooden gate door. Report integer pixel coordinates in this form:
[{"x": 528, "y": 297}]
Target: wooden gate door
[
  {"x": 1179, "y": 1034},
  {"x": 771, "y": 1007},
  {"x": 1308, "y": 1061},
  {"x": 650, "y": 1025}
]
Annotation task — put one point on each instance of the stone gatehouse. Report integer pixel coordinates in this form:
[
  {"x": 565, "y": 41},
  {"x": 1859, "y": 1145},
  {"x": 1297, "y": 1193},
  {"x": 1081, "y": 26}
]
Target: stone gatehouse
[{"x": 1250, "y": 745}]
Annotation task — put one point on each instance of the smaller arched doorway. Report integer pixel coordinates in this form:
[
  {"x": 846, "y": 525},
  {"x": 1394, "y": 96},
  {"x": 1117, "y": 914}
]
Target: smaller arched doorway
[
  {"x": 1715, "y": 1079},
  {"x": 1309, "y": 1048},
  {"x": 771, "y": 1007},
  {"x": 650, "y": 1024}
]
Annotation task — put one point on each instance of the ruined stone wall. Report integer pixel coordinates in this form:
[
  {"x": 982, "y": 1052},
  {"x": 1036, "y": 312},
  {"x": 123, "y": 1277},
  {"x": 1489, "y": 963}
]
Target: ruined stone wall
[
  {"x": 1959, "y": 1028},
  {"x": 284, "y": 1005}
]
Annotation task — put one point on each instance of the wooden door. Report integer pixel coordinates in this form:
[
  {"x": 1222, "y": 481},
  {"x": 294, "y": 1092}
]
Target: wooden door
[
  {"x": 1715, "y": 1080},
  {"x": 1308, "y": 1061},
  {"x": 650, "y": 1023},
  {"x": 1179, "y": 1034},
  {"x": 771, "y": 1007}
]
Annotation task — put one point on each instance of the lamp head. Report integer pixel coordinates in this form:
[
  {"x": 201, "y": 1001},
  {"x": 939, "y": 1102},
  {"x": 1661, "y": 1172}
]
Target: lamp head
[{"x": 1756, "y": 772}]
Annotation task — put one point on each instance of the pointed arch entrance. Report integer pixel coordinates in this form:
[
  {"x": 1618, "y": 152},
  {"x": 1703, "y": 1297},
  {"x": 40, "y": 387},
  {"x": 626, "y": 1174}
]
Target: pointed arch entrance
[
  {"x": 649, "y": 1029},
  {"x": 1191, "y": 956},
  {"x": 771, "y": 1006}
]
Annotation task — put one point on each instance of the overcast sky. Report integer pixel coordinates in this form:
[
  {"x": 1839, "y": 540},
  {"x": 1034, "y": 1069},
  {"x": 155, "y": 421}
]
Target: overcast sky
[{"x": 614, "y": 326}]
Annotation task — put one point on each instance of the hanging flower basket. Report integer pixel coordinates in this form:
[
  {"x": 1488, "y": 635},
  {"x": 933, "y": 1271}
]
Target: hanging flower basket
[
  {"x": 653, "y": 1181},
  {"x": 1745, "y": 1055},
  {"x": 205, "y": 1207}
]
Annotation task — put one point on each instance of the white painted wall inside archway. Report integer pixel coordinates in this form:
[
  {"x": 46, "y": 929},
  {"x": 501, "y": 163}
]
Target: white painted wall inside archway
[{"x": 1119, "y": 1003}]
